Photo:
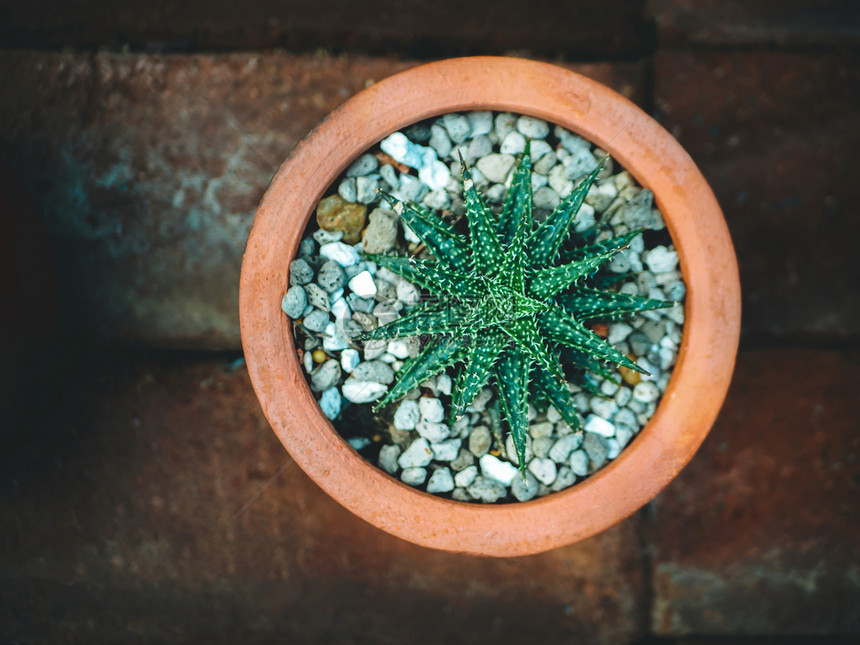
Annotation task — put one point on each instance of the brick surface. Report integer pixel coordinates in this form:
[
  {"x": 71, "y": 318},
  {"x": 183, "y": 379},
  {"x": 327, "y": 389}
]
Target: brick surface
[
  {"x": 411, "y": 27},
  {"x": 756, "y": 22},
  {"x": 149, "y": 169},
  {"x": 122, "y": 521},
  {"x": 776, "y": 136},
  {"x": 760, "y": 534}
]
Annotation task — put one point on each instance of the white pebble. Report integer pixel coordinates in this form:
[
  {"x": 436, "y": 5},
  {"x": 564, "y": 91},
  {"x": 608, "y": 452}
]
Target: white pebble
[
  {"x": 532, "y": 127},
  {"x": 494, "y": 468},
  {"x": 496, "y": 167},
  {"x": 646, "y": 392},
  {"x": 443, "y": 384},
  {"x": 513, "y": 144},
  {"x": 406, "y": 415},
  {"x": 598, "y": 425},
  {"x": 660, "y": 259},
  {"x": 446, "y": 450},
  {"x": 440, "y": 481},
  {"x": 407, "y": 293},
  {"x": 417, "y": 455},
  {"x": 413, "y": 476},
  {"x": 561, "y": 449},
  {"x": 543, "y": 469},
  {"x": 525, "y": 490},
  {"x": 398, "y": 348},
  {"x": 349, "y": 360},
  {"x": 363, "y": 391},
  {"x": 343, "y": 254},
  {"x": 363, "y": 285},
  {"x": 332, "y": 342},
  {"x": 388, "y": 458},
  {"x": 604, "y": 408},
  {"x": 330, "y": 402},
  {"x": 434, "y": 432},
  {"x": 618, "y": 332},
  {"x": 579, "y": 463},
  {"x": 466, "y": 476},
  {"x": 431, "y": 409}
]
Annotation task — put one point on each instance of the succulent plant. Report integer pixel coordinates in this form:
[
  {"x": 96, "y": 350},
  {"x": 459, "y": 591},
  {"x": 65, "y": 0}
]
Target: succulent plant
[{"x": 508, "y": 301}]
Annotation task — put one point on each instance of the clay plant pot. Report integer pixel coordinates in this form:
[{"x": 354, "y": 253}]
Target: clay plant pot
[{"x": 707, "y": 259}]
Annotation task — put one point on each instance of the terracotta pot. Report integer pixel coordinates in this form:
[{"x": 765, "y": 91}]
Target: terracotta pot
[{"x": 705, "y": 363}]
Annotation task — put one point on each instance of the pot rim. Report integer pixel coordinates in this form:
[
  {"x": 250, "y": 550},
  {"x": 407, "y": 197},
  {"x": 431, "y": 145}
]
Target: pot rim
[{"x": 701, "y": 376}]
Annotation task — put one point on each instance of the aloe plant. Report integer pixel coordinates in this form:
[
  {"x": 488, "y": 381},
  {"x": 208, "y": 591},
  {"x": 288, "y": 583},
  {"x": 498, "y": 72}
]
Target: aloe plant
[{"x": 504, "y": 305}]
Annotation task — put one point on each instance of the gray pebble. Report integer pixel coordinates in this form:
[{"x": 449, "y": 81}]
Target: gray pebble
[
  {"x": 543, "y": 469},
  {"x": 579, "y": 463},
  {"x": 294, "y": 302},
  {"x": 579, "y": 163},
  {"x": 347, "y": 189},
  {"x": 300, "y": 272},
  {"x": 418, "y": 454},
  {"x": 440, "y": 141},
  {"x": 546, "y": 197},
  {"x": 543, "y": 165},
  {"x": 646, "y": 392},
  {"x": 466, "y": 476},
  {"x": 365, "y": 190},
  {"x": 318, "y": 297},
  {"x": 597, "y": 450},
  {"x": 480, "y": 147},
  {"x": 559, "y": 182},
  {"x": 375, "y": 371},
  {"x": 532, "y": 128},
  {"x": 461, "y": 495},
  {"x": 381, "y": 232},
  {"x": 505, "y": 123},
  {"x": 639, "y": 343},
  {"x": 486, "y": 489},
  {"x": 330, "y": 403},
  {"x": 389, "y": 176},
  {"x": 571, "y": 142},
  {"x": 364, "y": 165},
  {"x": 464, "y": 460},
  {"x": 541, "y": 446},
  {"x": 365, "y": 321},
  {"x": 564, "y": 479},
  {"x": 513, "y": 144},
  {"x": 660, "y": 259},
  {"x": 388, "y": 456},
  {"x": 479, "y": 441},
  {"x": 331, "y": 276},
  {"x": 361, "y": 305},
  {"x": 406, "y": 415},
  {"x": 524, "y": 490},
  {"x": 308, "y": 362},
  {"x": 325, "y": 376},
  {"x": 307, "y": 248},
  {"x": 317, "y": 321},
  {"x": 480, "y": 122},
  {"x": 605, "y": 408},
  {"x": 496, "y": 167},
  {"x": 561, "y": 449},
  {"x": 457, "y": 126}
]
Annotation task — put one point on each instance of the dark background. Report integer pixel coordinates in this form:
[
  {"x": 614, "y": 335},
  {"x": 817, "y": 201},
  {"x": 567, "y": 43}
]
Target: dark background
[{"x": 143, "y": 497}]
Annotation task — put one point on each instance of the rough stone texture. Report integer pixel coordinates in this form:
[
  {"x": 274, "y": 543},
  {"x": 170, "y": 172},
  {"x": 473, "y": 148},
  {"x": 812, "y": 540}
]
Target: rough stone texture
[
  {"x": 148, "y": 170},
  {"x": 157, "y": 503},
  {"x": 416, "y": 28},
  {"x": 760, "y": 534},
  {"x": 776, "y": 135},
  {"x": 753, "y": 22}
]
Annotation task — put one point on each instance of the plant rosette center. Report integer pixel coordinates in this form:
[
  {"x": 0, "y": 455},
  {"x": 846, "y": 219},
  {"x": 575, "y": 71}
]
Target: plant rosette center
[{"x": 501, "y": 319}]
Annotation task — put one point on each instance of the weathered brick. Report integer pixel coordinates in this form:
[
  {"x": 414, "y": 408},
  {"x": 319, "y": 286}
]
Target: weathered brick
[
  {"x": 125, "y": 515},
  {"x": 149, "y": 169},
  {"x": 760, "y": 534},
  {"x": 413, "y": 28},
  {"x": 756, "y": 22},
  {"x": 776, "y": 135}
]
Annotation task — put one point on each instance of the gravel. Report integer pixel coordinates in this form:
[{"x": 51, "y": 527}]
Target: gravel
[{"x": 417, "y": 446}]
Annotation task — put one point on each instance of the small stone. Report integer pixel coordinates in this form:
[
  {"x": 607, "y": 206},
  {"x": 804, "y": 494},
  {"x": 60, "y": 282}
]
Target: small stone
[
  {"x": 622, "y": 396},
  {"x": 466, "y": 477},
  {"x": 344, "y": 254},
  {"x": 598, "y": 425},
  {"x": 440, "y": 481},
  {"x": 413, "y": 476},
  {"x": 543, "y": 165},
  {"x": 375, "y": 371},
  {"x": 307, "y": 248},
  {"x": 359, "y": 443},
  {"x": 389, "y": 176},
  {"x": 434, "y": 432},
  {"x": 434, "y": 174},
  {"x": 346, "y": 189},
  {"x": 579, "y": 463},
  {"x": 480, "y": 122},
  {"x": 479, "y": 404},
  {"x": 486, "y": 489},
  {"x": 408, "y": 293},
  {"x": 654, "y": 330},
  {"x": 542, "y": 429},
  {"x": 479, "y": 147},
  {"x": 496, "y": 167},
  {"x": 362, "y": 391},
  {"x": 365, "y": 190},
  {"x": 330, "y": 403},
  {"x": 543, "y": 469},
  {"x": 675, "y": 290},
  {"x": 318, "y": 297},
  {"x": 523, "y": 491},
  {"x": 294, "y": 302},
  {"x": 571, "y": 142},
  {"x": 443, "y": 384},
  {"x": 437, "y": 199},
  {"x": 316, "y": 321},
  {"x": 564, "y": 479},
  {"x": 639, "y": 343},
  {"x": 446, "y": 450},
  {"x": 559, "y": 182},
  {"x": 505, "y": 123},
  {"x": 461, "y": 495},
  {"x": 561, "y": 449},
  {"x": 608, "y": 388},
  {"x": 623, "y": 434},
  {"x": 398, "y": 348},
  {"x": 406, "y": 415},
  {"x": 388, "y": 456},
  {"x": 545, "y": 197},
  {"x": 325, "y": 376},
  {"x": 417, "y": 455},
  {"x": 494, "y": 468},
  {"x": 431, "y": 409},
  {"x": 660, "y": 259},
  {"x": 374, "y": 349},
  {"x": 458, "y": 127},
  {"x": 361, "y": 305},
  {"x": 335, "y": 214},
  {"x": 349, "y": 359},
  {"x": 597, "y": 450},
  {"x": 579, "y": 163},
  {"x": 532, "y": 128},
  {"x": 339, "y": 308},
  {"x": 308, "y": 362},
  {"x": 440, "y": 141},
  {"x": 604, "y": 408},
  {"x": 513, "y": 144},
  {"x": 479, "y": 441},
  {"x": 541, "y": 446},
  {"x": 364, "y": 165},
  {"x": 300, "y": 272},
  {"x": 646, "y": 392},
  {"x": 601, "y": 195},
  {"x": 363, "y": 285},
  {"x": 331, "y": 277},
  {"x": 463, "y": 460},
  {"x": 324, "y": 237},
  {"x": 618, "y": 331},
  {"x": 511, "y": 450},
  {"x": 381, "y": 234}
]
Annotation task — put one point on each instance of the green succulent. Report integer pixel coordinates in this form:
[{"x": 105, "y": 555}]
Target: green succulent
[{"x": 507, "y": 301}]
